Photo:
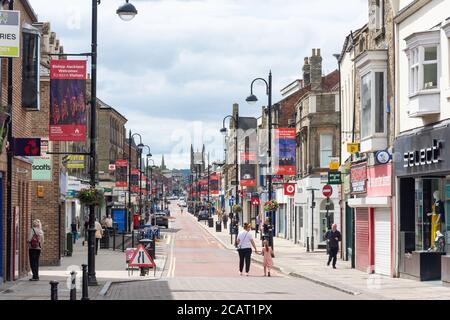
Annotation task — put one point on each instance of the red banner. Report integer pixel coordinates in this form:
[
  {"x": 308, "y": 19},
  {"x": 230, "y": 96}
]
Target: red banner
[
  {"x": 121, "y": 173},
  {"x": 68, "y": 112}
]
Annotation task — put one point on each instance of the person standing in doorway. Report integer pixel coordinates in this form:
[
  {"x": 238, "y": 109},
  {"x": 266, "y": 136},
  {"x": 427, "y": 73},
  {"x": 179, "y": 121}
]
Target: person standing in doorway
[
  {"x": 244, "y": 243},
  {"x": 35, "y": 240},
  {"x": 333, "y": 237},
  {"x": 98, "y": 235}
]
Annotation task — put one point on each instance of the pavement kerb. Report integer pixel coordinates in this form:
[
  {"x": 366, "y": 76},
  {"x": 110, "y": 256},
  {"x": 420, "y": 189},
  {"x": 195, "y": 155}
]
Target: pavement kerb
[{"x": 289, "y": 273}]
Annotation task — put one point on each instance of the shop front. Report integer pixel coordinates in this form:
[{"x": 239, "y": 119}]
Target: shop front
[
  {"x": 371, "y": 188},
  {"x": 422, "y": 169}
]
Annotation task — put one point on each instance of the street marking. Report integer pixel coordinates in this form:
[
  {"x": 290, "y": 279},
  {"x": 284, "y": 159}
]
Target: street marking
[
  {"x": 172, "y": 272},
  {"x": 168, "y": 239},
  {"x": 172, "y": 258}
]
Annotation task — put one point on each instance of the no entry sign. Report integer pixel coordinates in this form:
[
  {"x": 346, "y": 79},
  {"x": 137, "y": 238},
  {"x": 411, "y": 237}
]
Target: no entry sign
[{"x": 327, "y": 190}]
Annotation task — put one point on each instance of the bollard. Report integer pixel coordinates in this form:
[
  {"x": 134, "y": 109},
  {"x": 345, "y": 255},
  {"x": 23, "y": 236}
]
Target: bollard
[
  {"x": 114, "y": 239},
  {"x": 123, "y": 241},
  {"x": 132, "y": 238},
  {"x": 54, "y": 290},
  {"x": 84, "y": 292},
  {"x": 73, "y": 288}
]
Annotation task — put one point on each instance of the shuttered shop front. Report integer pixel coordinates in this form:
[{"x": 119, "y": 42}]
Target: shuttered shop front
[
  {"x": 362, "y": 239},
  {"x": 382, "y": 218}
]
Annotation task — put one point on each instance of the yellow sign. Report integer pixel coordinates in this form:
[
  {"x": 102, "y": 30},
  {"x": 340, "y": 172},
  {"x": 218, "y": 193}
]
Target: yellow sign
[
  {"x": 75, "y": 162},
  {"x": 352, "y": 147},
  {"x": 334, "y": 164}
]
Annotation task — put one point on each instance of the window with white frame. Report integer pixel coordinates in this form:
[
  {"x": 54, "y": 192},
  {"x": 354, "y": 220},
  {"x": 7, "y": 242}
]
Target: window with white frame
[
  {"x": 423, "y": 55},
  {"x": 373, "y": 102},
  {"x": 326, "y": 149}
]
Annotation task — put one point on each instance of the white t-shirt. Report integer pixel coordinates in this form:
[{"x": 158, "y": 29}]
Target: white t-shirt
[{"x": 245, "y": 239}]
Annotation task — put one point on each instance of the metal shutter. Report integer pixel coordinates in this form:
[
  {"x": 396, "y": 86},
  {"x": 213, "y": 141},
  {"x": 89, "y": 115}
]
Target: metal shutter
[
  {"x": 382, "y": 241},
  {"x": 362, "y": 239}
]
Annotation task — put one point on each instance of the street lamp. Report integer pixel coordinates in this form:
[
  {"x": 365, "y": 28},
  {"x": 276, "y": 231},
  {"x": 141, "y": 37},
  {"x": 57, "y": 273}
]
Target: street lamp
[
  {"x": 252, "y": 99},
  {"x": 148, "y": 155},
  {"x": 123, "y": 11},
  {"x": 127, "y": 11},
  {"x": 224, "y": 132},
  {"x": 140, "y": 146}
]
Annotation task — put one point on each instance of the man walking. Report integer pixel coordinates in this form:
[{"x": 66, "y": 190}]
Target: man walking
[{"x": 333, "y": 237}]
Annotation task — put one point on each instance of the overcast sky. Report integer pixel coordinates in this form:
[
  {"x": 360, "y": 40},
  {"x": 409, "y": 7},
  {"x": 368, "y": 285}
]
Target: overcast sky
[{"x": 176, "y": 69}]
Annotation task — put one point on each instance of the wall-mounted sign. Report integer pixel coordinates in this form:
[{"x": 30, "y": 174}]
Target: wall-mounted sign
[
  {"x": 358, "y": 178},
  {"x": 424, "y": 156},
  {"x": 41, "y": 169},
  {"x": 379, "y": 181},
  {"x": 382, "y": 157},
  {"x": 9, "y": 34}
]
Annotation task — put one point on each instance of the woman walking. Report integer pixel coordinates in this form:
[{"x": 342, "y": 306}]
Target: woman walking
[
  {"x": 35, "y": 240},
  {"x": 225, "y": 220},
  {"x": 244, "y": 243},
  {"x": 267, "y": 254}
]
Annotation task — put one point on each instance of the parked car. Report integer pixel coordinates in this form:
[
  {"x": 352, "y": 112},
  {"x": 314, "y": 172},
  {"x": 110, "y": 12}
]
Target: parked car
[{"x": 162, "y": 219}]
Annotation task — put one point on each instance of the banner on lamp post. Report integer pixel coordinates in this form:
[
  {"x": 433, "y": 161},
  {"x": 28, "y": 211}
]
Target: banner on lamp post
[
  {"x": 121, "y": 173},
  {"x": 284, "y": 155},
  {"x": 9, "y": 33},
  {"x": 68, "y": 112}
]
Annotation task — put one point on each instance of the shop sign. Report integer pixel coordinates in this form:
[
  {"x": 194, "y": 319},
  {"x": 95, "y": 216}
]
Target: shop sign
[
  {"x": 9, "y": 34},
  {"x": 352, "y": 148},
  {"x": 379, "y": 181},
  {"x": 423, "y": 157},
  {"x": 75, "y": 162},
  {"x": 334, "y": 164},
  {"x": 334, "y": 178},
  {"x": 41, "y": 169},
  {"x": 358, "y": 178}
]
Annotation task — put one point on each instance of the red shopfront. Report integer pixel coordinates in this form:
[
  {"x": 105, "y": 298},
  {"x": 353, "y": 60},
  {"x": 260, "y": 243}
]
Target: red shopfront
[{"x": 372, "y": 190}]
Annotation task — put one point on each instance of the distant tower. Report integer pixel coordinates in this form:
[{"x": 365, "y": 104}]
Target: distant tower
[{"x": 163, "y": 165}]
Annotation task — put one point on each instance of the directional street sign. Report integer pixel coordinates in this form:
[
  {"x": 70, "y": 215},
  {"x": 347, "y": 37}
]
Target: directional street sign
[
  {"x": 141, "y": 258},
  {"x": 334, "y": 178}
]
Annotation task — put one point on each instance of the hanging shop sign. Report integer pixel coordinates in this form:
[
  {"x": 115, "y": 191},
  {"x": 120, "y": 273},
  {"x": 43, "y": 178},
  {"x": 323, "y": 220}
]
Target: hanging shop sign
[
  {"x": 289, "y": 189},
  {"x": 334, "y": 178},
  {"x": 27, "y": 147},
  {"x": 68, "y": 112},
  {"x": 121, "y": 173},
  {"x": 75, "y": 162},
  {"x": 9, "y": 34},
  {"x": 382, "y": 156},
  {"x": 358, "y": 178},
  {"x": 284, "y": 156},
  {"x": 41, "y": 169},
  {"x": 334, "y": 164},
  {"x": 352, "y": 148}
]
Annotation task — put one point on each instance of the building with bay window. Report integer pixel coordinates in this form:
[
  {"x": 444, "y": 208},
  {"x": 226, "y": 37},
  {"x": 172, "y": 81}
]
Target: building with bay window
[{"x": 422, "y": 167}]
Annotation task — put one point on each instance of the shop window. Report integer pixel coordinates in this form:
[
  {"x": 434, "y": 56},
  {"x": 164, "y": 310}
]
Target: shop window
[
  {"x": 326, "y": 149},
  {"x": 30, "y": 69}
]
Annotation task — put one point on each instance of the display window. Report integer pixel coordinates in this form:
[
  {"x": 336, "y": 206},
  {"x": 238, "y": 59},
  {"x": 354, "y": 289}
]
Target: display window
[{"x": 431, "y": 206}]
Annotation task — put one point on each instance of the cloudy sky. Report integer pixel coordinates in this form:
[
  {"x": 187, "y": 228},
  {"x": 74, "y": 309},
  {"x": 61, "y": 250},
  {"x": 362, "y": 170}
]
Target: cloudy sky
[{"x": 176, "y": 69}]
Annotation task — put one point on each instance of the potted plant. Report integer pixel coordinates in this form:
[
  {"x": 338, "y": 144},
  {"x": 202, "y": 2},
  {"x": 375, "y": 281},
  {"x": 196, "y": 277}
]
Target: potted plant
[
  {"x": 90, "y": 197},
  {"x": 271, "y": 205},
  {"x": 237, "y": 208}
]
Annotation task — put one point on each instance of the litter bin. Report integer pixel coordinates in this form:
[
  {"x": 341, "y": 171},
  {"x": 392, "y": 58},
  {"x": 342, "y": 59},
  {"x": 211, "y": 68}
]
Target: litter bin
[
  {"x": 69, "y": 244},
  {"x": 218, "y": 226},
  {"x": 211, "y": 222},
  {"x": 104, "y": 241},
  {"x": 149, "y": 246}
]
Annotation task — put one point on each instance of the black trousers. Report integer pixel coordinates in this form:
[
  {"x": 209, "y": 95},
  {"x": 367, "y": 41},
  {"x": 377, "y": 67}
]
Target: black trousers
[
  {"x": 333, "y": 255},
  {"x": 97, "y": 241},
  {"x": 34, "y": 261},
  {"x": 244, "y": 256}
]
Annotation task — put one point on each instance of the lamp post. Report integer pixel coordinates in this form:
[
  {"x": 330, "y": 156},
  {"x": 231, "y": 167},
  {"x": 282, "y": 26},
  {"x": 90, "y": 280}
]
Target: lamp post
[
  {"x": 313, "y": 205},
  {"x": 224, "y": 132},
  {"x": 147, "y": 156},
  {"x": 125, "y": 12},
  {"x": 140, "y": 146},
  {"x": 252, "y": 99}
]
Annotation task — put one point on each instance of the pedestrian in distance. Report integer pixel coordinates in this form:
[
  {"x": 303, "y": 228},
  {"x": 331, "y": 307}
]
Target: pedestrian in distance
[
  {"x": 86, "y": 227},
  {"x": 244, "y": 243},
  {"x": 35, "y": 241},
  {"x": 98, "y": 235},
  {"x": 257, "y": 224},
  {"x": 333, "y": 237},
  {"x": 74, "y": 230},
  {"x": 267, "y": 254},
  {"x": 225, "y": 220}
]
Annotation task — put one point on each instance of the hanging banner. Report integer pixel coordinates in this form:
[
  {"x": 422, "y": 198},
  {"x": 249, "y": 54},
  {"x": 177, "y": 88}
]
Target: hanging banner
[
  {"x": 284, "y": 155},
  {"x": 134, "y": 180},
  {"x": 121, "y": 173},
  {"x": 248, "y": 169},
  {"x": 9, "y": 34},
  {"x": 67, "y": 100},
  {"x": 214, "y": 184}
]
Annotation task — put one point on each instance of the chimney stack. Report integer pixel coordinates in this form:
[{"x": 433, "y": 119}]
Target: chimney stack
[
  {"x": 316, "y": 70},
  {"x": 306, "y": 72}
]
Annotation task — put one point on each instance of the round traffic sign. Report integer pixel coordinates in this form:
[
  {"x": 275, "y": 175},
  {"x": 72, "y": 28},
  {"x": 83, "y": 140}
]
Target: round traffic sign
[{"x": 327, "y": 190}]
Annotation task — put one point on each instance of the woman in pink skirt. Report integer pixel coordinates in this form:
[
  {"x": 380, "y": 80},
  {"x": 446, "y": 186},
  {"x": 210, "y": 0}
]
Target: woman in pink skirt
[{"x": 267, "y": 254}]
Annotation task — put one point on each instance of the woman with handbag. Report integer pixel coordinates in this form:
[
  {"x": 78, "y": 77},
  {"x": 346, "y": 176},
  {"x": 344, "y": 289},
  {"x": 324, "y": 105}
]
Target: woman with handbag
[
  {"x": 244, "y": 243},
  {"x": 35, "y": 241}
]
